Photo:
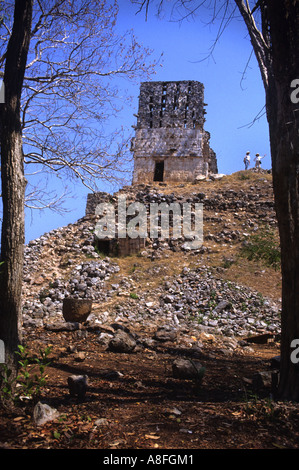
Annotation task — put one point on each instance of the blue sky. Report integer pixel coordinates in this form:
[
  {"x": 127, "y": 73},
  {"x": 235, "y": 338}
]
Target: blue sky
[{"x": 232, "y": 105}]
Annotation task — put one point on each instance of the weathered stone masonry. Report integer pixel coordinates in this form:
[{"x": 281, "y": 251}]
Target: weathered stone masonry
[
  {"x": 170, "y": 142},
  {"x": 112, "y": 246}
]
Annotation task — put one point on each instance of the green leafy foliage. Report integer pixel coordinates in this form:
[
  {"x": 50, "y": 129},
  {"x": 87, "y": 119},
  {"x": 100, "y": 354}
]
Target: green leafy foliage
[
  {"x": 6, "y": 381},
  {"x": 31, "y": 375},
  {"x": 133, "y": 295},
  {"x": 263, "y": 245}
]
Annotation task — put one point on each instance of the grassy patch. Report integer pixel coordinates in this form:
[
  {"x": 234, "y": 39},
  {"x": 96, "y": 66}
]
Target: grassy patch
[{"x": 263, "y": 245}]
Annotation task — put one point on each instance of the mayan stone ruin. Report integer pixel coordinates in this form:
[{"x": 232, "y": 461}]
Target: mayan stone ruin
[
  {"x": 170, "y": 145},
  {"x": 170, "y": 142}
]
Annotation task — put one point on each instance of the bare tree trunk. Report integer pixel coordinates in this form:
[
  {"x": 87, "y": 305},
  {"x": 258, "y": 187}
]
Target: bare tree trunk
[
  {"x": 286, "y": 184},
  {"x": 282, "y": 113},
  {"x": 13, "y": 182},
  {"x": 276, "y": 49}
]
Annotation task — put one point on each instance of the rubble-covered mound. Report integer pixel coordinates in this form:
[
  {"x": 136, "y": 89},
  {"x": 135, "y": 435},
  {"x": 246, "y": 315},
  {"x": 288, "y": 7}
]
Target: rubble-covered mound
[{"x": 66, "y": 263}]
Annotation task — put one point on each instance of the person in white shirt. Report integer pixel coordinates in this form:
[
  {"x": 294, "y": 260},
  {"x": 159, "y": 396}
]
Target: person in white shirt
[
  {"x": 258, "y": 160},
  {"x": 247, "y": 160}
]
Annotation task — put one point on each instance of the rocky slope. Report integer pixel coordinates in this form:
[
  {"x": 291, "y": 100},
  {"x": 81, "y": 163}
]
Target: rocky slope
[{"x": 166, "y": 285}]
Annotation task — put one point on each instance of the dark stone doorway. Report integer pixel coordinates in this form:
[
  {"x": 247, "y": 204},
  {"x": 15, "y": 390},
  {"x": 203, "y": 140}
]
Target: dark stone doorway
[{"x": 159, "y": 171}]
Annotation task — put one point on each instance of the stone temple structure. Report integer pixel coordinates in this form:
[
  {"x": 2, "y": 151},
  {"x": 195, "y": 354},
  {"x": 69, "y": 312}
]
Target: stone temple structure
[{"x": 170, "y": 142}]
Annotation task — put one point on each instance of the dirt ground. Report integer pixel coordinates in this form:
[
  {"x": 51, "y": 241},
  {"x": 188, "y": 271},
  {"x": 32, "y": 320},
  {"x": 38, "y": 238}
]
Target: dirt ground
[{"x": 142, "y": 406}]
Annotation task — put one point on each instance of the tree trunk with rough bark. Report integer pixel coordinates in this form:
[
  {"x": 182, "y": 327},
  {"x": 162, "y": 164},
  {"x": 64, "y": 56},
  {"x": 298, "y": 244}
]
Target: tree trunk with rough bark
[
  {"x": 276, "y": 48},
  {"x": 13, "y": 183},
  {"x": 283, "y": 114}
]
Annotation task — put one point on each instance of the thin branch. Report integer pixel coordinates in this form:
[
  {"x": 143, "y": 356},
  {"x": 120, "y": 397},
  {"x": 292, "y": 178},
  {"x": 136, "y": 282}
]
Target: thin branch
[
  {"x": 260, "y": 114},
  {"x": 259, "y": 44},
  {"x": 246, "y": 67}
]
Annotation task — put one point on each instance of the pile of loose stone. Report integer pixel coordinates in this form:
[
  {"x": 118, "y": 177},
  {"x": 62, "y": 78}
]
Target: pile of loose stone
[
  {"x": 87, "y": 280},
  {"x": 199, "y": 300},
  {"x": 194, "y": 298},
  {"x": 199, "y": 297}
]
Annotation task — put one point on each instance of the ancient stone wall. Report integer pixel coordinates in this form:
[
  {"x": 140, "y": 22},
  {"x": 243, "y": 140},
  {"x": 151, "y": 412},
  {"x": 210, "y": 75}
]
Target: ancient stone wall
[
  {"x": 112, "y": 246},
  {"x": 170, "y": 143},
  {"x": 171, "y": 105},
  {"x": 93, "y": 199},
  {"x": 120, "y": 246}
]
